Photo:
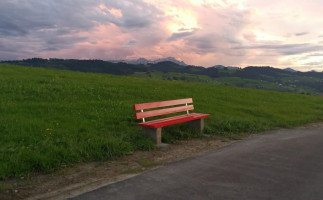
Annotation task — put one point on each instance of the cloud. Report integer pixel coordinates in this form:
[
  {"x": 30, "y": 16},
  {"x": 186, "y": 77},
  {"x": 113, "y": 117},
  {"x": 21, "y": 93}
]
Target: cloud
[
  {"x": 235, "y": 32},
  {"x": 134, "y": 13},
  {"x": 20, "y": 17},
  {"x": 203, "y": 43},
  {"x": 316, "y": 55},
  {"x": 130, "y": 43},
  {"x": 301, "y": 33},
  {"x": 287, "y": 49},
  {"x": 180, "y": 35},
  {"x": 44, "y": 25},
  {"x": 313, "y": 64},
  {"x": 56, "y": 25}
]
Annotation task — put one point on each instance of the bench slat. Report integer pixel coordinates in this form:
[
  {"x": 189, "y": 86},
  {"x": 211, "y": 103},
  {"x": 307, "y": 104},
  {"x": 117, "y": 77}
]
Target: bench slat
[
  {"x": 166, "y": 111},
  {"x": 173, "y": 120},
  {"x": 191, "y": 115},
  {"x": 159, "y": 104}
]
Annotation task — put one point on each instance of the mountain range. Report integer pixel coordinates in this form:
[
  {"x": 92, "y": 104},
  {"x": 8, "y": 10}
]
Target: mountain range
[
  {"x": 144, "y": 61},
  {"x": 260, "y": 77}
]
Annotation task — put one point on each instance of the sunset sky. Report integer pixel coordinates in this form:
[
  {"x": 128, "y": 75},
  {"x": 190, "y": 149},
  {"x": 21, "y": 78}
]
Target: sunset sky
[{"x": 278, "y": 33}]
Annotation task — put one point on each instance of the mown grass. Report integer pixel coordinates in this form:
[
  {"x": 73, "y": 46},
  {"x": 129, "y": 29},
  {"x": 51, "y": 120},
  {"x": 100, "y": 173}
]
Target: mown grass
[{"x": 51, "y": 118}]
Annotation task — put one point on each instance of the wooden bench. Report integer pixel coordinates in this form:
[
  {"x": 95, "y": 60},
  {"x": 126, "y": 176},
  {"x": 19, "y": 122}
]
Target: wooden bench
[{"x": 153, "y": 128}]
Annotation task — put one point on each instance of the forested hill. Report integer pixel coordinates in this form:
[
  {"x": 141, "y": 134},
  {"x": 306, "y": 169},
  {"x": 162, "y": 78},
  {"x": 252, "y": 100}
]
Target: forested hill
[
  {"x": 95, "y": 66},
  {"x": 263, "y": 77},
  {"x": 121, "y": 68}
]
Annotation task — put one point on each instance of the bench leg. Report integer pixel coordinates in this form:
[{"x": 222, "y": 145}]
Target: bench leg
[
  {"x": 154, "y": 134},
  {"x": 197, "y": 124}
]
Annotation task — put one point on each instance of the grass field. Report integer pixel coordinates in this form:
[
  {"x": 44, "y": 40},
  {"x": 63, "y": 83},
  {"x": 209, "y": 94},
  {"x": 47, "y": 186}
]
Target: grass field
[
  {"x": 51, "y": 118},
  {"x": 286, "y": 84}
]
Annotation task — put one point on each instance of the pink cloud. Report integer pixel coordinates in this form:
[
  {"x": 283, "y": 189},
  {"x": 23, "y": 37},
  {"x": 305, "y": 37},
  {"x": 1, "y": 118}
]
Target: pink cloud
[{"x": 235, "y": 32}]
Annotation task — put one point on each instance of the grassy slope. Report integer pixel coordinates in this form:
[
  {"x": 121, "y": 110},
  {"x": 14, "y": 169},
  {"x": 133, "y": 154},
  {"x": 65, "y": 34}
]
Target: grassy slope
[
  {"x": 51, "y": 118},
  {"x": 288, "y": 84}
]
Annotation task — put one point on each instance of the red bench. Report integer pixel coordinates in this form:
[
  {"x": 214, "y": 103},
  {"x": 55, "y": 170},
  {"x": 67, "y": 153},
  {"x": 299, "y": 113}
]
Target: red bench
[{"x": 153, "y": 128}]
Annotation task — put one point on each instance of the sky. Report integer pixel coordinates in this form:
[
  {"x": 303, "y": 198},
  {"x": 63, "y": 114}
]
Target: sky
[{"x": 278, "y": 33}]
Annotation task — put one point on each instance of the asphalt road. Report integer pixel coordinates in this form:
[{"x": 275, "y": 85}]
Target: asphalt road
[{"x": 283, "y": 164}]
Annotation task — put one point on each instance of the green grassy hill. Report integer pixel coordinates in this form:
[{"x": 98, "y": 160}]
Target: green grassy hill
[
  {"x": 258, "y": 77},
  {"x": 295, "y": 84},
  {"x": 52, "y": 118}
]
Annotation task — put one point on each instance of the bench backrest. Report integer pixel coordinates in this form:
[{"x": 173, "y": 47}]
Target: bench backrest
[{"x": 162, "y": 108}]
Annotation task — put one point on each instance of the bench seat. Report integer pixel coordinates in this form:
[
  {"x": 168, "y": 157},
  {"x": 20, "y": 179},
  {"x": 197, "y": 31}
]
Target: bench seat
[
  {"x": 173, "y": 120},
  {"x": 153, "y": 128}
]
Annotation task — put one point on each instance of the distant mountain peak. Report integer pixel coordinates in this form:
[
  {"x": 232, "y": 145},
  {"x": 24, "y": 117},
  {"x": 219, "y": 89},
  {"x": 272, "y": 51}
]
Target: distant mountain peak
[
  {"x": 289, "y": 69},
  {"x": 139, "y": 61},
  {"x": 144, "y": 61},
  {"x": 218, "y": 66},
  {"x": 170, "y": 59},
  {"x": 224, "y": 67}
]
